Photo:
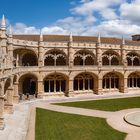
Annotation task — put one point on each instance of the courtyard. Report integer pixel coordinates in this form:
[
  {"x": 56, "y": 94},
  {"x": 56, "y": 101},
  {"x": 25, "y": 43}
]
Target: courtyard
[{"x": 83, "y": 117}]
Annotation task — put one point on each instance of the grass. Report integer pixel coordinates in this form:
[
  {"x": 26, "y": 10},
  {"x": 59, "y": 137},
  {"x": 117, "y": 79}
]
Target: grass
[
  {"x": 107, "y": 104},
  {"x": 51, "y": 125}
]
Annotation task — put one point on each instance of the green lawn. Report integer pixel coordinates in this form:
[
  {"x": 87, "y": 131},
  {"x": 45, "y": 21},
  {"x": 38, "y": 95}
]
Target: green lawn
[
  {"x": 106, "y": 104},
  {"x": 52, "y": 125}
]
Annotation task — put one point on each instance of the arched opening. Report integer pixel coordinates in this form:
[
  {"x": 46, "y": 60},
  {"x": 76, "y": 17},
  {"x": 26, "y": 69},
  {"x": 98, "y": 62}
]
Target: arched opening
[
  {"x": 60, "y": 61},
  {"x": 110, "y": 58},
  {"x": 55, "y": 83},
  {"x": 105, "y": 60},
  {"x": 133, "y": 81},
  {"x": 114, "y": 61},
  {"x": 28, "y": 84},
  {"x": 78, "y": 60},
  {"x": 55, "y": 58},
  {"x": 6, "y": 87},
  {"x": 83, "y": 82},
  {"x": 111, "y": 81},
  {"x": 49, "y": 61},
  {"x": 133, "y": 59},
  {"x": 25, "y": 57},
  {"x": 84, "y": 57},
  {"x": 29, "y": 59},
  {"x": 89, "y": 60}
]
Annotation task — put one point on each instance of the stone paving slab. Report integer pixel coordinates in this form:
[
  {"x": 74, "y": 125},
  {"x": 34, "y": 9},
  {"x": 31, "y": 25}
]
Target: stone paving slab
[{"x": 17, "y": 123}]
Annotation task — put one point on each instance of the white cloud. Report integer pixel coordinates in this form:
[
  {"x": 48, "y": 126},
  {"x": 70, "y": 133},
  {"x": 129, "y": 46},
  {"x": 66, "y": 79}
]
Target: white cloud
[
  {"x": 131, "y": 11},
  {"x": 103, "y": 7},
  {"x": 89, "y": 17}
]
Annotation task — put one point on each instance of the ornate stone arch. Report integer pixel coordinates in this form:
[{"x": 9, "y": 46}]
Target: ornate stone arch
[
  {"x": 25, "y": 57},
  {"x": 55, "y": 57},
  {"x": 28, "y": 83},
  {"x": 84, "y": 57},
  {"x": 133, "y": 80},
  {"x": 111, "y": 57},
  {"x": 113, "y": 80},
  {"x": 133, "y": 58},
  {"x": 85, "y": 81},
  {"x": 56, "y": 83}
]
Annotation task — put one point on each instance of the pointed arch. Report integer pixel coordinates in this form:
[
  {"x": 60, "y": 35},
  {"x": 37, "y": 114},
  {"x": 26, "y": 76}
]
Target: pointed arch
[
  {"x": 84, "y": 57},
  {"x": 55, "y": 57},
  {"x": 25, "y": 57},
  {"x": 110, "y": 58},
  {"x": 55, "y": 83},
  {"x": 133, "y": 59},
  {"x": 112, "y": 80},
  {"x": 133, "y": 80}
]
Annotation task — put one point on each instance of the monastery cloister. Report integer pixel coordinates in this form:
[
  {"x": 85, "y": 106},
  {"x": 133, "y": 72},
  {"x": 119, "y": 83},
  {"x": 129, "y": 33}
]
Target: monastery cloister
[{"x": 46, "y": 65}]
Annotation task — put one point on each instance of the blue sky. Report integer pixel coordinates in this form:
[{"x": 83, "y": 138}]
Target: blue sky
[
  {"x": 82, "y": 17},
  {"x": 35, "y": 12}
]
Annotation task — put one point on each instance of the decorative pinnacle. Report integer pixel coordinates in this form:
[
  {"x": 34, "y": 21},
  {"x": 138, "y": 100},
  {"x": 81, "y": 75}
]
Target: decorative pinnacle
[
  {"x": 71, "y": 37},
  {"x": 99, "y": 38},
  {"x": 123, "y": 41},
  {"x": 41, "y": 36},
  {"x": 10, "y": 31},
  {"x": 3, "y": 23}
]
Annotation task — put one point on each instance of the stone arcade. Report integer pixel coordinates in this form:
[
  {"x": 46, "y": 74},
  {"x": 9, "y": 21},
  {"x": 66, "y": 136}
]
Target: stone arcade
[{"x": 65, "y": 65}]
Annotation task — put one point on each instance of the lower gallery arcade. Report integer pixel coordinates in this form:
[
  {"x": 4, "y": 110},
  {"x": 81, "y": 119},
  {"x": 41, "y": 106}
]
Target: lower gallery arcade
[{"x": 61, "y": 84}]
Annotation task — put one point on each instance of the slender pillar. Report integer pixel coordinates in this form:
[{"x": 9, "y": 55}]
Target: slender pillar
[
  {"x": 49, "y": 86},
  {"x": 84, "y": 84},
  {"x": 54, "y": 85},
  {"x": 17, "y": 60}
]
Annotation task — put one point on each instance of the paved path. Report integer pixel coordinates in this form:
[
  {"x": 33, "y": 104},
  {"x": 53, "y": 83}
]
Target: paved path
[
  {"x": 17, "y": 123},
  {"x": 114, "y": 119}
]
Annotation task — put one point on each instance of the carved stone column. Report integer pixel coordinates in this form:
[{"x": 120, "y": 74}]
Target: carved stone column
[
  {"x": 16, "y": 94},
  {"x": 98, "y": 86},
  {"x": 40, "y": 54},
  {"x": 70, "y": 54},
  {"x": 98, "y": 55},
  {"x": 2, "y": 124},
  {"x": 70, "y": 91},
  {"x": 9, "y": 103},
  {"x": 40, "y": 88},
  {"x": 123, "y": 85}
]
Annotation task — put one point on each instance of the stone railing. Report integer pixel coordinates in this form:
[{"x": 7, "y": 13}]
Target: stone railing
[
  {"x": 18, "y": 42},
  {"x": 4, "y": 73}
]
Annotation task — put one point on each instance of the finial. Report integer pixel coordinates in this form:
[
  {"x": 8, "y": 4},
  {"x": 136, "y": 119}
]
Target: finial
[
  {"x": 10, "y": 31},
  {"x": 99, "y": 38},
  {"x": 123, "y": 41},
  {"x": 71, "y": 37},
  {"x": 3, "y": 23},
  {"x": 41, "y": 36}
]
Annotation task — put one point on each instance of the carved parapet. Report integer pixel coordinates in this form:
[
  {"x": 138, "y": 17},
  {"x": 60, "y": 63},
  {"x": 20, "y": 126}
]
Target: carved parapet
[{"x": 25, "y": 43}]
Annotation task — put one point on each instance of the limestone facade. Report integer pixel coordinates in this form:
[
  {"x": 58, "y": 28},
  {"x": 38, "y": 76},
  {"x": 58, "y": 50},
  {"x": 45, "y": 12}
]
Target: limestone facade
[{"x": 46, "y": 65}]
